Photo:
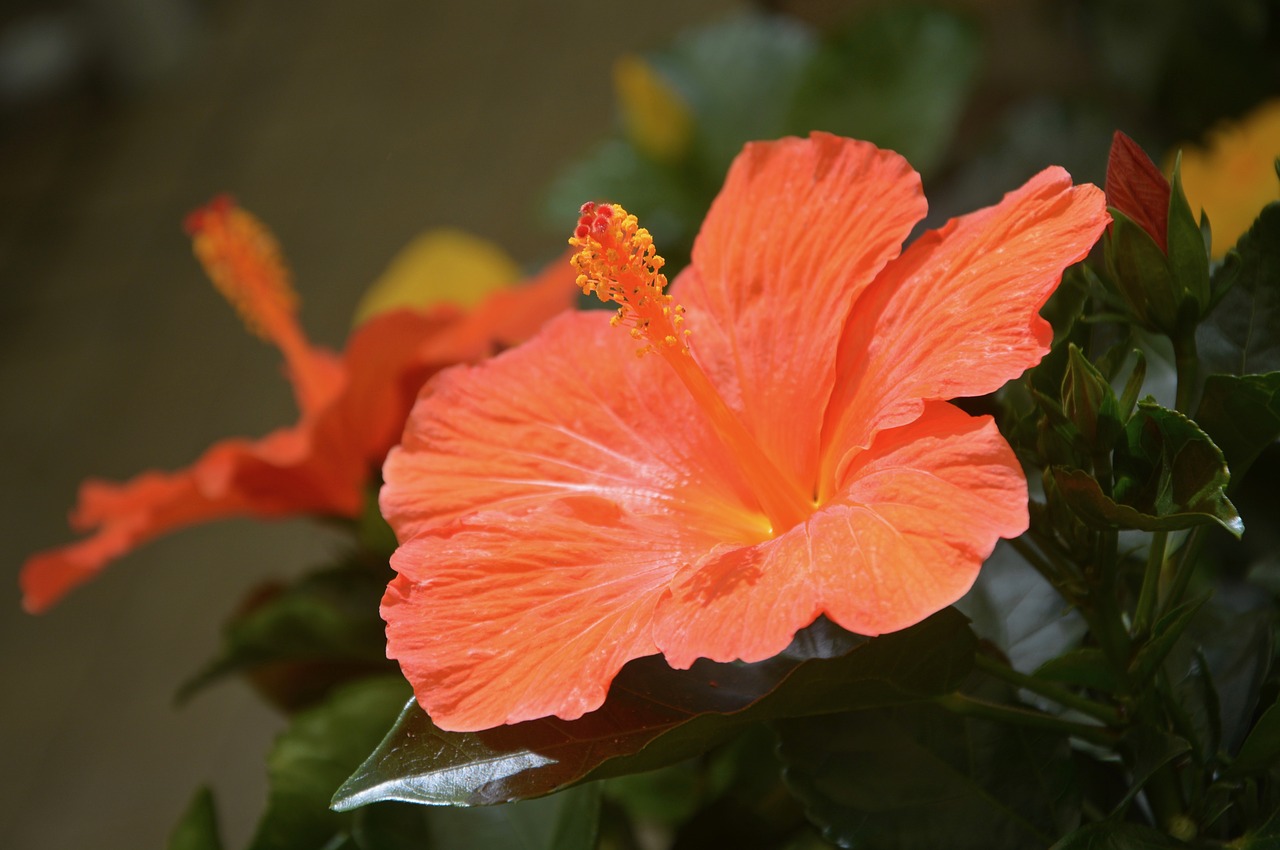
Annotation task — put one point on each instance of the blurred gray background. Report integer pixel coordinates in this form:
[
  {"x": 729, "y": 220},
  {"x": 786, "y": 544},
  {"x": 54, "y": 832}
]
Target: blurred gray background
[{"x": 348, "y": 127}]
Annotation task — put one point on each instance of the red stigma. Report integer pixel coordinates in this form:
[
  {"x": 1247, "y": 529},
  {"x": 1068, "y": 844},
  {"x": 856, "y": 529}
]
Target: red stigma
[{"x": 198, "y": 219}]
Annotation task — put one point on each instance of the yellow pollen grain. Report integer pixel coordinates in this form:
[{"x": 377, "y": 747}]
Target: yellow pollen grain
[{"x": 618, "y": 263}]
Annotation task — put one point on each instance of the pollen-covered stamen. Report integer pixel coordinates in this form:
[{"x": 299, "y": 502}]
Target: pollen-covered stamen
[
  {"x": 618, "y": 263},
  {"x": 243, "y": 260}
]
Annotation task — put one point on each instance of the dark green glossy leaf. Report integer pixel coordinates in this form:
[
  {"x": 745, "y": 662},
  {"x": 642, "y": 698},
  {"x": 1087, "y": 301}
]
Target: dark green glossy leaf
[
  {"x": 1117, "y": 835},
  {"x": 198, "y": 828},
  {"x": 898, "y": 77},
  {"x": 1087, "y": 668},
  {"x": 656, "y": 716},
  {"x": 1242, "y": 415},
  {"x": 319, "y": 749},
  {"x": 1261, "y": 750},
  {"x": 921, "y": 777},
  {"x": 303, "y": 638},
  {"x": 1242, "y": 335},
  {"x": 1169, "y": 476},
  {"x": 1013, "y": 606},
  {"x": 1230, "y": 644}
]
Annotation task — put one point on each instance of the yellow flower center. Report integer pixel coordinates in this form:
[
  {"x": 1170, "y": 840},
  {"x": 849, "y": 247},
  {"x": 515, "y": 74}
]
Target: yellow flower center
[{"x": 618, "y": 263}]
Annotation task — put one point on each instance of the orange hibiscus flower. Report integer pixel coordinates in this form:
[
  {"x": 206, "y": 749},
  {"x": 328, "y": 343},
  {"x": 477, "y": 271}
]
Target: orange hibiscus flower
[
  {"x": 352, "y": 406},
  {"x": 568, "y": 506}
]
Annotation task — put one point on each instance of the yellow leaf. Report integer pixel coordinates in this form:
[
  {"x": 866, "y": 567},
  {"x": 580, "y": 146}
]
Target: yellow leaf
[
  {"x": 440, "y": 266},
  {"x": 654, "y": 115},
  {"x": 1234, "y": 175}
]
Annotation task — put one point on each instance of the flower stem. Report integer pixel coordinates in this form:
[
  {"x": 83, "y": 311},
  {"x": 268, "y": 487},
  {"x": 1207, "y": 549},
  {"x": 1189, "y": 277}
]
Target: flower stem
[
  {"x": 1177, "y": 586},
  {"x": 1186, "y": 364},
  {"x": 1048, "y": 690},
  {"x": 967, "y": 706},
  {"x": 1147, "y": 597}
]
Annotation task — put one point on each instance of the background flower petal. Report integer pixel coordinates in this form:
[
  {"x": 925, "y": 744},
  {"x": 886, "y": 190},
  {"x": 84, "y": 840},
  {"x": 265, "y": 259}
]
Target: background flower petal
[
  {"x": 800, "y": 227},
  {"x": 540, "y": 422},
  {"x": 443, "y": 266},
  {"x": 507, "y": 617},
  {"x": 958, "y": 313},
  {"x": 915, "y": 517},
  {"x": 121, "y": 518}
]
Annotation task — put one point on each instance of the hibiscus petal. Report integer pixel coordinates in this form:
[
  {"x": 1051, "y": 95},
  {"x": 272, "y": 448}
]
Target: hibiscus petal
[
  {"x": 502, "y": 618},
  {"x": 275, "y": 476},
  {"x": 800, "y": 227},
  {"x": 573, "y": 411},
  {"x": 125, "y": 516},
  {"x": 915, "y": 517},
  {"x": 958, "y": 313}
]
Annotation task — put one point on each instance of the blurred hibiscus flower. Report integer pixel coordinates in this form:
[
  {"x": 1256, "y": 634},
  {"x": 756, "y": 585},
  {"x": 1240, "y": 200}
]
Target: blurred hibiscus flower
[
  {"x": 1234, "y": 175},
  {"x": 353, "y": 406},
  {"x": 566, "y": 507}
]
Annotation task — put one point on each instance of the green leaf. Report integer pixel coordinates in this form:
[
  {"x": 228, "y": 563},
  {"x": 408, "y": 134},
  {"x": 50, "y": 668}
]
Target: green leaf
[
  {"x": 1089, "y": 402},
  {"x": 1265, "y": 837},
  {"x": 1196, "y": 699},
  {"x": 198, "y": 828},
  {"x": 1229, "y": 644},
  {"x": 1067, "y": 303},
  {"x": 304, "y": 638},
  {"x": 1013, "y": 606},
  {"x": 920, "y": 777},
  {"x": 1149, "y": 749},
  {"x": 1169, "y": 476},
  {"x": 566, "y": 821},
  {"x": 667, "y": 795},
  {"x": 740, "y": 78},
  {"x": 1242, "y": 415},
  {"x": 669, "y": 206},
  {"x": 1087, "y": 668},
  {"x": 1133, "y": 386},
  {"x": 1164, "y": 634},
  {"x": 1188, "y": 254},
  {"x": 898, "y": 77},
  {"x": 1117, "y": 835},
  {"x": 1140, "y": 275},
  {"x": 1086, "y": 498},
  {"x": 319, "y": 749},
  {"x": 656, "y": 716},
  {"x": 1242, "y": 335},
  {"x": 1168, "y": 466},
  {"x": 1261, "y": 750}
]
